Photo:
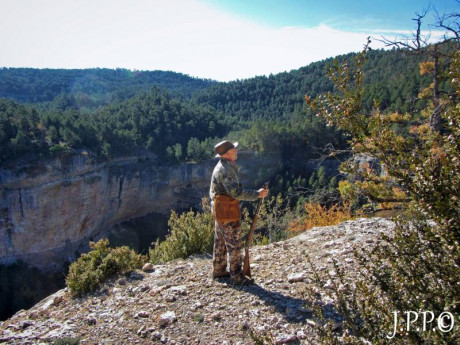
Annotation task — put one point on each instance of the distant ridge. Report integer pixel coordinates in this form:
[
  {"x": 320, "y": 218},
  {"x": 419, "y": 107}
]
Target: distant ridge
[
  {"x": 392, "y": 77},
  {"x": 31, "y": 85}
]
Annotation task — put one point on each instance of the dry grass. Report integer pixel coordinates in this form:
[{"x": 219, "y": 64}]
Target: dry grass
[{"x": 318, "y": 215}]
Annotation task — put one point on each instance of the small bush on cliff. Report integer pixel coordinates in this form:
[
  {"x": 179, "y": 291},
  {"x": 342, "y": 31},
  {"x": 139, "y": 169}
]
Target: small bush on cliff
[
  {"x": 319, "y": 215},
  {"x": 190, "y": 233},
  {"x": 100, "y": 264}
]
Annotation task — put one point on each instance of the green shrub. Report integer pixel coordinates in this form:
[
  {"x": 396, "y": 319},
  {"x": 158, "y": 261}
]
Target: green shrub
[
  {"x": 100, "y": 264},
  {"x": 193, "y": 232},
  {"x": 416, "y": 269},
  {"x": 190, "y": 233},
  {"x": 199, "y": 318}
]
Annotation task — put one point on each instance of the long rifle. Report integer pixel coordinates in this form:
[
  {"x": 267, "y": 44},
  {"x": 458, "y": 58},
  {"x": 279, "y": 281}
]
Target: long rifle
[{"x": 246, "y": 268}]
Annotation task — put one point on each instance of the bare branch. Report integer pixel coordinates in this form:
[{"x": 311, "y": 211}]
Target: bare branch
[
  {"x": 390, "y": 43},
  {"x": 381, "y": 200},
  {"x": 416, "y": 43},
  {"x": 328, "y": 152},
  {"x": 449, "y": 22},
  {"x": 417, "y": 38}
]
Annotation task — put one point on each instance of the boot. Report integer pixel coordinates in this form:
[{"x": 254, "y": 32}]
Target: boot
[{"x": 217, "y": 275}]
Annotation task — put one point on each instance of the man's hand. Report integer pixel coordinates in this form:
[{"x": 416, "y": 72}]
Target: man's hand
[{"x": 263, "y": 192}]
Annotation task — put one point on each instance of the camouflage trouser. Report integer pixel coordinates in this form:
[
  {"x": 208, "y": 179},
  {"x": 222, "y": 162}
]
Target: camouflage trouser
[{"x": 227, "y": 239}]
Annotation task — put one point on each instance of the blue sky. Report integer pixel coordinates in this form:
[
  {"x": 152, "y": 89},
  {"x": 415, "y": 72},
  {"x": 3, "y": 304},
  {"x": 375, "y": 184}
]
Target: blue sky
[
  {"x": 216, "y": 39},
  {"x": 356, "y": 15}
]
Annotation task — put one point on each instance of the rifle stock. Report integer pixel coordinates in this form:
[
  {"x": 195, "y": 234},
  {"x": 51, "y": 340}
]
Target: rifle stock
[{"x": 246, "y": 267}]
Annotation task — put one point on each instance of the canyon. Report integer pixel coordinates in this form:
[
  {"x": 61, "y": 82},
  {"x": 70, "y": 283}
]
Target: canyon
[{"x": 51, "y": 208}]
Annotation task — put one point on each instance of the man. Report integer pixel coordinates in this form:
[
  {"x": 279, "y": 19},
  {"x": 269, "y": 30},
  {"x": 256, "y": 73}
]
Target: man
[{"x": 225, "y": 191}]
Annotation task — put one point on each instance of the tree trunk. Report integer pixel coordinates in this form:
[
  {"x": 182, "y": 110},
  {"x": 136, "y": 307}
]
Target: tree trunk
[{"x": 435, "y": 119}]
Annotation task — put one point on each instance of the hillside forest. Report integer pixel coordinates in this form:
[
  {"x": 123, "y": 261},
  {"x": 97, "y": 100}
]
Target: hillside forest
[
  {"x": 116, "y": 112},
  {"x": 178, "y": 118}
]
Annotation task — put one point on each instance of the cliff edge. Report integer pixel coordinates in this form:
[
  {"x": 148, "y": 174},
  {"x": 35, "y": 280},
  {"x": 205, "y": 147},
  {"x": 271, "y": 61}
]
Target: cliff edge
[{"x": 179, "y": 302}]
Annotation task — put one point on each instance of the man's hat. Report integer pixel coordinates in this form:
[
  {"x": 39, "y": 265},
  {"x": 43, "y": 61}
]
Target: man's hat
[{"x": 223, "y": 147}]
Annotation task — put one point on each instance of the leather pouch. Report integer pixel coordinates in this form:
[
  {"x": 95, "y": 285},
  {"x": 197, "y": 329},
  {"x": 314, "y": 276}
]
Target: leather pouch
[{"x": 226, "y": 209}]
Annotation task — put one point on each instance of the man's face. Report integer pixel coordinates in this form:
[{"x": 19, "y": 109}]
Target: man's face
[{"x": 232, "y": 154}]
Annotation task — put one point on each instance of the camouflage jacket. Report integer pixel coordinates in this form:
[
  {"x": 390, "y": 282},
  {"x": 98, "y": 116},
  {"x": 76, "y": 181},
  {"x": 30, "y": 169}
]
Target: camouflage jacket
[{"x": 225, "y": 181}]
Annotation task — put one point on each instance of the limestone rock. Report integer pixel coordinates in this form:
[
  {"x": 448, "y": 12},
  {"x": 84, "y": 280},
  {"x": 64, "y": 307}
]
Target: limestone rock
[
  {"x": 167, "y": 318},
  {"x": 285, "y": 338},
  {"x": 216, "y": 316},
  {"x": 122, "y": 281},
  {"x": 296, "y": 277},
  {"x": 148, "y": 267},
  {"x": 301, "y": 335},
  {"x": 179, "y": 290},
  {"x": 91, "y": 321},
  {"x": 142, "y": 314}
]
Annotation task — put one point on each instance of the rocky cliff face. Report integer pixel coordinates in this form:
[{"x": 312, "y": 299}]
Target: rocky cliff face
[{"x": 51, "y": 209}]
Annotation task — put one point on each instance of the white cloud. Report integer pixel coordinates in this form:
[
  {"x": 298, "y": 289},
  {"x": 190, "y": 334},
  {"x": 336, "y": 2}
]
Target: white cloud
[
  {"x": 431, "y": 36},
  {"x": 179, "y": 35}
]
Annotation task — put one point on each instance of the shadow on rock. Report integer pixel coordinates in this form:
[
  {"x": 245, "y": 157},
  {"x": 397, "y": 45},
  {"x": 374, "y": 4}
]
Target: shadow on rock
[{"x": 292, "y": 309}]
